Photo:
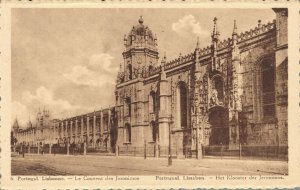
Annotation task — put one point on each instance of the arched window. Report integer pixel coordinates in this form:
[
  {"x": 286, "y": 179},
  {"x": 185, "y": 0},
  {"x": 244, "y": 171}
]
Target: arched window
[
  {"x": 128, "y": 107},
  {"x": 154, "y": 131},
  {"x": 127, "y": 133},
  {"x": 152, "y": 102},
  {"x": 182, "y": 106},
  {"x": 268, "y": 88},
  {"x": 218, "y": 86},
  {"x": 129, "y": 71}
]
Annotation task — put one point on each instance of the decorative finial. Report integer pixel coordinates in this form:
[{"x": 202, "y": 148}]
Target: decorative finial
[
  {"x": 125, "y": 40},
  {"x": 141, "y": 20},
  {"x": 163, "y": 75},
  {"x": 234, "y": 28},
  {"x": 215, "y": 25},
  {"x": 198, "y": 43},
  {"x": 259, "y": 23},
  {"x": 235, "y": 48},
  {"x": 215, "y": 33},
  {"x": 215, "y": 20},
  {"x": 163, "y": 61}
]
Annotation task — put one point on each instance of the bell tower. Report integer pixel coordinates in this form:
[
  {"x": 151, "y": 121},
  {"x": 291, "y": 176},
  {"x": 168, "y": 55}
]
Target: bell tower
[{"x": 140, "y": 51}]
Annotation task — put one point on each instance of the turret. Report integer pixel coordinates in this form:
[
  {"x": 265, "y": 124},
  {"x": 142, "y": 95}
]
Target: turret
[
  {"x": 140, "y": 53},
  {"x": 215, "y": 39},
  {"x": 235, "y": 49},
  {"x": 164, "y": 108},
  {"x": 236, "y": 71},
  {"x": 16, "y": 125},
  {"x": 163, "y": 88},
  {"x": 163, "y": 76},
  {"x": 197, "y": 52},
  {"x": 197, "y": 44}
]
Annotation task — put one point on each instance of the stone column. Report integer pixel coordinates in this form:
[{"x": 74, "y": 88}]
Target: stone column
[
  {"x": 71, "y": 131},
  {"x": 62, "y": 129},
  {"x": 66, "y": 130},
  {"x": 84, "y": 148},
  {"x": 54, "y": 133},
  {"x": 101, "y": 123},
  {"x": 87, "y": 130},
  {"x": 81, "y": 129},
  {"x": 50, "y": 148},
  {"x": 68, "y": 147},
  {"x": 94, "y": 130},
  {"x": 76, "y": 129},
  {"x": 237, "y": 91},
  {"x": 29, "y": 137},
  {"x": 165, "y": 110},
  {"x": 117, "y": 150}
]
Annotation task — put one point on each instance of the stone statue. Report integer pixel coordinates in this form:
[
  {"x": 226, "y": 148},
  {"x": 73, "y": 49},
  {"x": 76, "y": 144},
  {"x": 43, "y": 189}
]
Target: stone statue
[{"x": 214, "y": 97}]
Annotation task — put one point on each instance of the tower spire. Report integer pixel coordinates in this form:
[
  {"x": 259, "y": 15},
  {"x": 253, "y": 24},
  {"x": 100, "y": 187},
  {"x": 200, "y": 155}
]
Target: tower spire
[
  {"x": 234, "y": 28},
  {"x": 235, "y": 49},
  {"x": 163, "y": 62},
  {"x": 16, "y": 123},
  {"x": 215, "y": 34},
  {"x": 215, "y": 24},
  {"x": 198, "y": 43},
  {"x": 140, "y": 51},
  {"x": 215, "y": 39},
  {"x": 234, "y": 34}
]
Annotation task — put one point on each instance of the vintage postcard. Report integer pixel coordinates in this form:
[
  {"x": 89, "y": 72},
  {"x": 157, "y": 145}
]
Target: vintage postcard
[{"x": 149, "y": 95}]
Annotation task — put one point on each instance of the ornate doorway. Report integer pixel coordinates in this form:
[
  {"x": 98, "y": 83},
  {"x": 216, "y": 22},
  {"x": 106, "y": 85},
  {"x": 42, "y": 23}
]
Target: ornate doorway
[{"x": 218, "y": 119}]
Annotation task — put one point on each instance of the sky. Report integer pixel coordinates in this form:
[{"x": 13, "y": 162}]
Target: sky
[{"x": 66, "y": 60}]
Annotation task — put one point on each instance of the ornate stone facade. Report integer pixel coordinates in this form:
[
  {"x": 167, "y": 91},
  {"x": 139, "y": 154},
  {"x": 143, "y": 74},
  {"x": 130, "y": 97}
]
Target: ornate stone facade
[
  {"x": 232, "y": 92},
  {"x": 96, "y": 129}
]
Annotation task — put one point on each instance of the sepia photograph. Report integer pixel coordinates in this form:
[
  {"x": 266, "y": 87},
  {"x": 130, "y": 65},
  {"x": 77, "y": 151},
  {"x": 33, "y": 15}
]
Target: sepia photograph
[{"x": 149, "y": 91}]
